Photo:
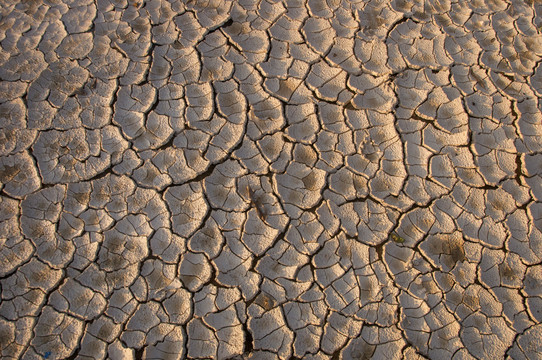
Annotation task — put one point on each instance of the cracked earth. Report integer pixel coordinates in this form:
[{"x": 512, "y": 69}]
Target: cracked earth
[{"x": 270, "y": 180}]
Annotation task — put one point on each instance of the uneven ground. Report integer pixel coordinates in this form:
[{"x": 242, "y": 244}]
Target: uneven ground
[{"x": 213, "y": 179}]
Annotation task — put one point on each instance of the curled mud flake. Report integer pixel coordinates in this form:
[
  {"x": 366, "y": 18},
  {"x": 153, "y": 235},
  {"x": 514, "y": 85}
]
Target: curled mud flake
[
  {"x": 75, "y": 46},
  {"x": 305, "y": 319},
  {"x": 229, "y": 331},
  {"x": 253, "y": 42},
  {"x": 258, "y": 236},
  {"x": 123, "y": 248},
  {"x": 7, "y": 332},
  {"x": 257, "y": 203},
  {"x": 300, "y": 187},
  {"x": 172, "y": 343},
  {"x": 101, "y": 332},
  {"x": 157, "y": 132},
  {"x": 525, "y": 346},
  {"x": 26, "y": 66},
  {"x": 14, "y": 135},
  {"x": 18, "y": 175},
  {"x": 178, "y": 306},
  {"x": 249, "y": 155},
  {"x": 148, "y": 175},
  {"x": 213, "y": 49},
  {"x": 57, "y": 333},
  {"x": 270, "y": 332},
  {"x": 234, "y": 270},
  {"x": 319, "y": 34},
  {"x": 201, "y": 340},
  {"x": 339, "y": 329},
  {"x": 221, "y": 188},
  {"x": 194, "y": 271},
  {"x": 146, "y": 326},
  {"x": 77, "y": 300},
  {"x": 188, "y": 207},
  {"x": 74, "y": 155},
  {"x": 15, "y": 249},
  {"x": 40, "y": 213}
]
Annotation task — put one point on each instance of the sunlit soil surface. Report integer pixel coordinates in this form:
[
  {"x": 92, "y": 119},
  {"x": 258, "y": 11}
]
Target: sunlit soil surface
[{"x": 268, "y": 180}]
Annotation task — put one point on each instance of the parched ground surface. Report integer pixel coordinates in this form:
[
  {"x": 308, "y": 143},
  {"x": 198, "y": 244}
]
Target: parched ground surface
[{"x": 264, "y": 179}]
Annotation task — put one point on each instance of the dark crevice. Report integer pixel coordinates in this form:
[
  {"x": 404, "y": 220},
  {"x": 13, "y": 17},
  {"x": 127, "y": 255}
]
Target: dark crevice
[
  {"x": 519, "y": 172},
  {"x": 380, "y": 251},
  {"x": 139, "y": 353},
  {"x": 168, "y": 144},
  {"x": 249, "y": 341},
  {"x": 74, "y": 355},
  {"x": 336, "y": 355},
  {"x": 102, "y": 174}
]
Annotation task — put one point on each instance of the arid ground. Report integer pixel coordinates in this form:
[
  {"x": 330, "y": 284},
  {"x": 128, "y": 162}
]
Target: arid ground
[{"x": 270, "y": 180}]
